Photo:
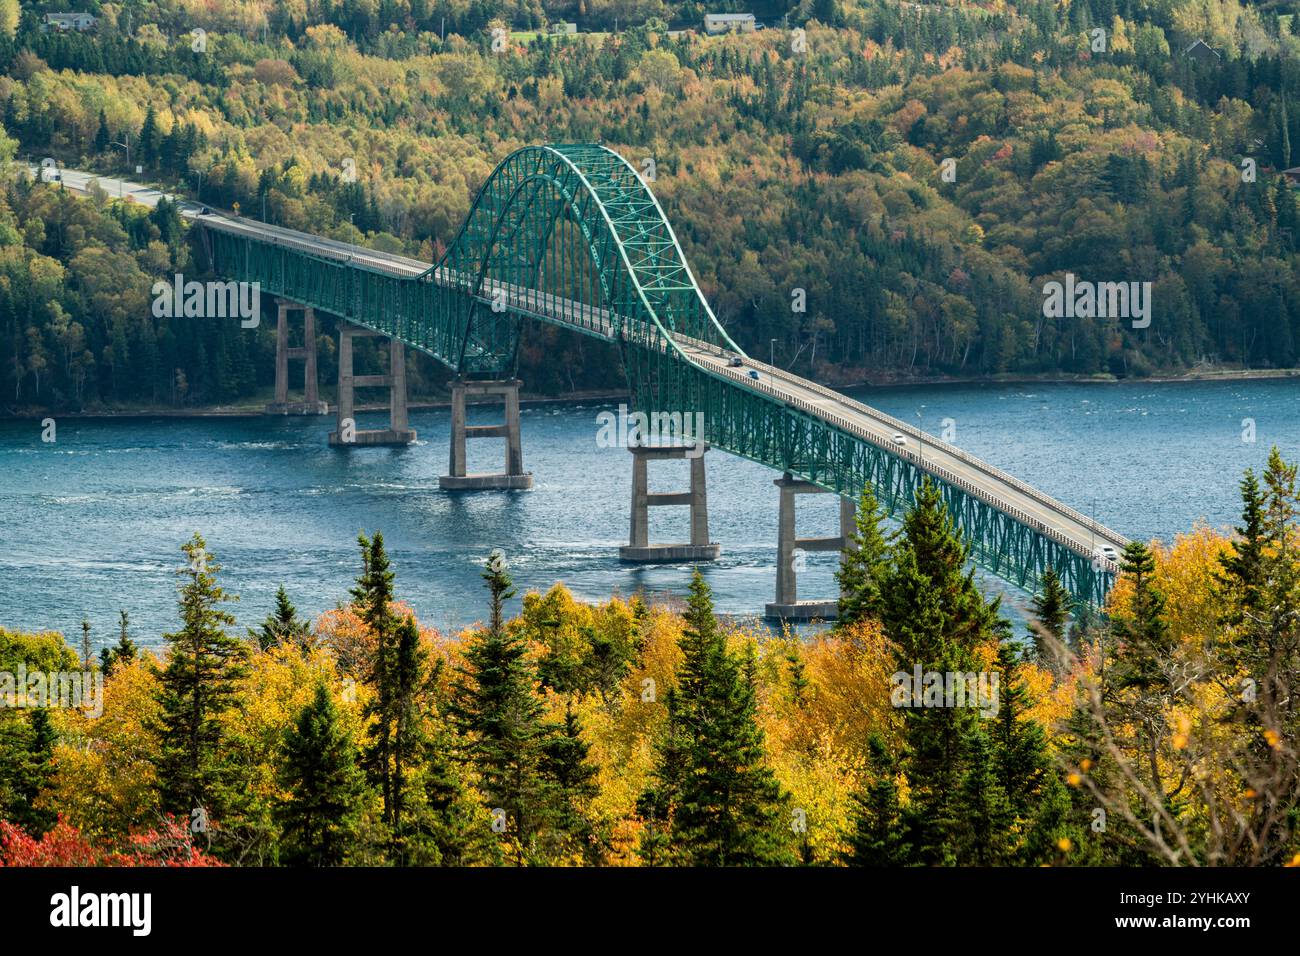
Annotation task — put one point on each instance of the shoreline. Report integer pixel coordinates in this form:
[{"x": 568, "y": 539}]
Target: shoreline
[{"x": 255, "y": 411}]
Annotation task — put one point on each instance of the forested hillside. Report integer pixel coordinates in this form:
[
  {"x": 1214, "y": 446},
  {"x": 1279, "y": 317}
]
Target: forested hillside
[{"x": 786, "y": 161}]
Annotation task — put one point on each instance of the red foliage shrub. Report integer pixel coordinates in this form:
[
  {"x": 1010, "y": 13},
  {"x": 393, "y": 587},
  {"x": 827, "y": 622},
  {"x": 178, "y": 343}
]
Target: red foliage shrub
[{"x": 64, "y": 845}]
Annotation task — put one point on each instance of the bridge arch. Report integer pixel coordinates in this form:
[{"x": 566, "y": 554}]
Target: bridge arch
[{"x": 637, "y": 288}]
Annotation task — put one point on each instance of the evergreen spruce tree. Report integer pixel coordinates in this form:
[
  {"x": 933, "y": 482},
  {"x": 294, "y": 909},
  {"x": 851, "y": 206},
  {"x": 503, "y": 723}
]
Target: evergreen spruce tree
[
  {"x": 124, "y": 652},
  {"x": 102, "y": 136},
  {"x": 1272, "y": 651},
  {"x": 724, "y": 804},
  {"x": 1146, "y": 644},
  {"x": 566, "y": 765},
  {"x": 198, "y": 684},
  {"x": 878, "y": 837},
  {"x": 656, "y": 802},
  {"x": 282, "y": 626},
  {"x": 326, "y": 786},
  {"x": 27, "y": 741},
  {"x": 87, "y": 660},
  {"x": 409, "y": 667},
  {"x": 799, "y": 682},
  {"x": 1051, "y": 605},
  {"x": 864, "y": 564},
  {"x": 1065, "y": 830},
  {"x": 373, "y": 599},
  {"x": 498, "y": 712},
  {"x": 935, "y": 617},
  {"x": 985, "y": 814},
  {"x": 148, "y": 148},
  {"x": 451, "y": 828},
  {"x": 1242, "y": 568}
]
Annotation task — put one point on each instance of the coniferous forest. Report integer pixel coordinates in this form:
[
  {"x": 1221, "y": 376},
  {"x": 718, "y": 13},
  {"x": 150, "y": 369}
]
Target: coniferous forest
[
  {"x": 866, "y": 190},
  {"x": 1160, "y": 732}
]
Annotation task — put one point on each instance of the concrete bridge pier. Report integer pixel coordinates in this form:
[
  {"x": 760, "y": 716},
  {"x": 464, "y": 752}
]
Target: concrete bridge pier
[
  {"x": 790, "y": 550},
  {"x": 638, "y": 548},
  {"x": 346, "y": 433},
  {"x": 514, "y": 477},
  {"x": 311, "y": 403}
]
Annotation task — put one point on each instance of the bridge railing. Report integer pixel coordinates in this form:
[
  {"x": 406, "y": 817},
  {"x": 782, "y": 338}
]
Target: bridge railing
[
  {"x": 938, "y": 471},
  {"x": 991, "y": 470}
]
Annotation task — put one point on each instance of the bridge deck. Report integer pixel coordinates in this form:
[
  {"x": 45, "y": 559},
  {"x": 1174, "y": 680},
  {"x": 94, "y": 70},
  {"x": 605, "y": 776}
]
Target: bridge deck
[{"x": 947, "y": 462}]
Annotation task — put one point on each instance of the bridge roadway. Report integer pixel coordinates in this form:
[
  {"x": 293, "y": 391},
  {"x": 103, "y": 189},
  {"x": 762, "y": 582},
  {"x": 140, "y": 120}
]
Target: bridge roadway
[{"x": 1076, "y": 531}]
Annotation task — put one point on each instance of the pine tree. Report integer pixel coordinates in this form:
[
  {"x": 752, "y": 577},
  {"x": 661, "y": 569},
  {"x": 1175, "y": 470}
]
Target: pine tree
[
  {"x": 450, "y": 828},
  {"x": 725, "y": 806},
  {"x": 282, "y": 626},
  {"x": 26, "y": 751},
  {"x": 655, "y": 804},
  {"x": 1146, "y": 644},
  {"x": 865, "y": 561},
  {"x": 566, "y": 765},
  {"x": 149, "y": 137},
  {"x": 1051, "y": 607},
  {"x": 125, "y": 650},
  {"x": 409, "y": 675},
  {"x": 87, "y": 660},
  {"x": 935, "y": 617},
  {"x": 103, "y": 139},
  {"x": 198, "y": 684},
  {"x": 1272, "y": 651},
  {"x": 497, "y": 710},
  {"x": 373, "y": 598},
  {"x": 1285, "y": 123},
  {"x": 325, "y": 784},
  {"x": 1242, "y": 568},
  {"x": 799, "y": 682},
  {"x": 985, "y": 815},
  {"x": 1022, "y": 761},
  {"x": 878, "y": 837}
]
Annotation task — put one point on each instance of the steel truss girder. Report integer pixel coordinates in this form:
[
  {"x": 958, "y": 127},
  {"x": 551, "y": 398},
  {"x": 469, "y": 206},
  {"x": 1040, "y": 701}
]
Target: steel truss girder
[{"x": 576, "y": 222}]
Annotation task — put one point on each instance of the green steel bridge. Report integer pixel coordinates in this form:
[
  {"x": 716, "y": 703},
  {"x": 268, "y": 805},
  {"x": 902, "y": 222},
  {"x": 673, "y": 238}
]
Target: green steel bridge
[{"x": 570, "y": 235}]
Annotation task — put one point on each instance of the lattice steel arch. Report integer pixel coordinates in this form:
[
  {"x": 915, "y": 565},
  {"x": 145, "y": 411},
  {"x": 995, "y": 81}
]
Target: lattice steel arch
[
  {"x": 570, "y": 235},
  {"x": 638, "y": 288}
]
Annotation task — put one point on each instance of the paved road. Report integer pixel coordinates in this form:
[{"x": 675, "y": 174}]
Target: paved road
[
  {"x": 1082, "y": 534},
  {"x": 79, "y": 182}
]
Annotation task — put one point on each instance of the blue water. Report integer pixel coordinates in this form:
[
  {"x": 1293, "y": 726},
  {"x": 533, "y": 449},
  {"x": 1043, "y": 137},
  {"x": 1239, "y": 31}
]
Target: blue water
[{"x": 94, "y": 522}]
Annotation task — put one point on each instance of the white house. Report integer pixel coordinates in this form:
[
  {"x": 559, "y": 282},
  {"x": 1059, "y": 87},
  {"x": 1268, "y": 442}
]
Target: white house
[
  {"x": 68, "y": 21},
  {"x": 715, "y": 23}
]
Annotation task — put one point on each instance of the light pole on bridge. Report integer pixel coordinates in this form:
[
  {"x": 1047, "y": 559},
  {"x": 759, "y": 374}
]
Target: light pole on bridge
[{"x": 920, "y": 435}]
